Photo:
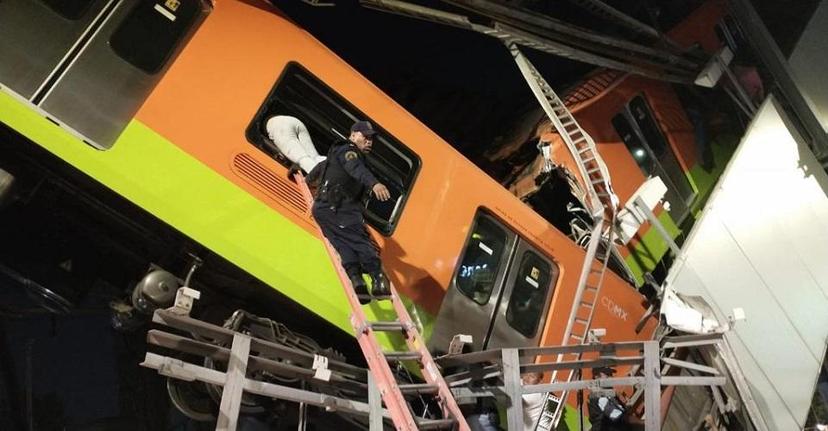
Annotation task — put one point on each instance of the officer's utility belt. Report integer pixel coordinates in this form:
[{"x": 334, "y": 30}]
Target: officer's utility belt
[{"x": 335, "y": 195}]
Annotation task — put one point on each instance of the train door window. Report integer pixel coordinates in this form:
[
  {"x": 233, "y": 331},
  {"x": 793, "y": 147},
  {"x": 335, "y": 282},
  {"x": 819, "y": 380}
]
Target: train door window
[
  {"x": 69, "y": 9},
  {"x": 482, "y": 258},
  {"x": 635, "y": 145},
  {"x": 152, "y": 30},
  {"x": 531, "y": 288},
  {"x": 328, "y": 117},
  {"x": 648, "y": 146}
]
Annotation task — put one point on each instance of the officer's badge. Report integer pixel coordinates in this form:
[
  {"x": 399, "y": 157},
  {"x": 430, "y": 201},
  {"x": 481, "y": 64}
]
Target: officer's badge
[{"x": 351, "y": 155}]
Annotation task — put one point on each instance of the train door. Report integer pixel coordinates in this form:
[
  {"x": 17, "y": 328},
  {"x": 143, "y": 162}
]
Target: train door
[
  {"x": 89, "y": 64},
  {"x": 36, "y": 35},
  {"x": 500, "y": 291}
]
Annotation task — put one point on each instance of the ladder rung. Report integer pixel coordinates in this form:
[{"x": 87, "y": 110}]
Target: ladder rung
[
  {"x": 591, "y": 289},
  {"x": 402, "y": 356},
  {"x": 598, "y": 181},
  {"x": 593, "y": 170},
  {"x": 577, "y": 337},
  {"x": 584, "y": 150},
  {"x": 568, "y": 123},
  {"x": 581, "y": 321},
  {"x": 587, "y": 160},
  {"x": 587, "y": 304},
  {"x": 419, "y": 388},
  {"x": 435, "y": 424},
  {"x": 387, "y": 326}
]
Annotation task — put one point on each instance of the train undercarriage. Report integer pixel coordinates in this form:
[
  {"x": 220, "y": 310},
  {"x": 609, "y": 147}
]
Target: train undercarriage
[{"x": 82, "y": 270}]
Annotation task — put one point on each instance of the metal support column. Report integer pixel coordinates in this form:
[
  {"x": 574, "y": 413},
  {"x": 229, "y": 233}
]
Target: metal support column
[
  {"x": 652, "y": 394},
  {"x": 375, "y": 405},
  {"x": 512, "y": 385},
  {"x": 740, "y": 91},
  {"x": 656, "y": 223},
  {"x": 232, "y": 393},
  {"x": 765, "y": 47}
]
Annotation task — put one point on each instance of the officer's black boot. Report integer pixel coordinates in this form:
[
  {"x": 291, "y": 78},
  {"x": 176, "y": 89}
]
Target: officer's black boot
[
  {"x": 359, "y": 285},
  {"x": 379, "y": 286}
]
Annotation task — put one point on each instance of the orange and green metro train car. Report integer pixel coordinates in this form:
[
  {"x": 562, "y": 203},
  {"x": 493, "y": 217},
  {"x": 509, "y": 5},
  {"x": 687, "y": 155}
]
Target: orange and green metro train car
[
  {"x": 644, "y": 129},
  {"x": 163, "y": 103}
]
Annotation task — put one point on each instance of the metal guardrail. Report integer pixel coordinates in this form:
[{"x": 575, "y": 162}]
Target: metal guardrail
[
  {"x": 507, "y": 365},
  {"x": 490, "y": 373}
]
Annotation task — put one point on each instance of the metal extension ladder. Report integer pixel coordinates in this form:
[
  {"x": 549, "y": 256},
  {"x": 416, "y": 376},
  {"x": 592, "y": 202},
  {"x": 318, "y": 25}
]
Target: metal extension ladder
[
  {"x": 393, "y": 394},
  {"x": 602, "y": 204}
]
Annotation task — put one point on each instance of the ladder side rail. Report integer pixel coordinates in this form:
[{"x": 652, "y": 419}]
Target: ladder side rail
[
  {"x": 586, "y": 269},
  {"x": 596, "y": 178},
  {"x": 529, "y": 74},
  {"x": 431, "y": 373},
  {"x": 604, "y": 263},
  {"x": 543, "y": 93},
  {"x": 385, "y": 380}
]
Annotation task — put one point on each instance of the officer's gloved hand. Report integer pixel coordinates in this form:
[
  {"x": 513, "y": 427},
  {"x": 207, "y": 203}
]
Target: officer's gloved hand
[{"x": 294, "y": 168}]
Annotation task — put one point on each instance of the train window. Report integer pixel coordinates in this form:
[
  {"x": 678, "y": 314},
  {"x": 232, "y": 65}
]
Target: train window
[
  {"x": 478, "y": 270},
  {"x": 69, "y": 9},
  {"x": 529, "y": 294},
  {"x": 650, "y": 149},
  {"x": 152, "y": 30},
  {"x": 652, "y": 134},
  {"x": 328, "y": 117},
  {"x": 635, "y": 145}
]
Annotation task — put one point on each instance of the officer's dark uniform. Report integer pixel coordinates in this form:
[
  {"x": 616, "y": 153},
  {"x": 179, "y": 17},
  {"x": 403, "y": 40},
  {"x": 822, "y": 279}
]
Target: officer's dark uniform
[
  {"x": 605, "y": 418},
  {"x": 598, "y": 416},
  {"x": 343, "y": 184}
]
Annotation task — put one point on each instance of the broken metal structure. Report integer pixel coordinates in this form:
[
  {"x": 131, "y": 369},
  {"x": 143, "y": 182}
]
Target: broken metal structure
[{"x": 245, "y": 364}]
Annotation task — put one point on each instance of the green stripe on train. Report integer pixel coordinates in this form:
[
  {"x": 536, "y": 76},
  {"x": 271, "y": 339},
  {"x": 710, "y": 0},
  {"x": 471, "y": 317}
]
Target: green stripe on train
[
  {"x": 164, "y": 180},
  {"x": 651, "y": 248}
]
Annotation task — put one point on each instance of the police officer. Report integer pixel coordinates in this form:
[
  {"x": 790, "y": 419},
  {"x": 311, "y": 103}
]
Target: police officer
[
  {"x": 344, "y": 181},
  {"x": 606, "y": 411}
]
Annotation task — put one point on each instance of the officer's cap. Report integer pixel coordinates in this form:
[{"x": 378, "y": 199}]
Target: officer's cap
[{"x": 364, "y": 127}]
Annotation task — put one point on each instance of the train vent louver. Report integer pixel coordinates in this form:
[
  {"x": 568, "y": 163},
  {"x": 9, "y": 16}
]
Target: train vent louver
[{"x": 276, "y": 187}]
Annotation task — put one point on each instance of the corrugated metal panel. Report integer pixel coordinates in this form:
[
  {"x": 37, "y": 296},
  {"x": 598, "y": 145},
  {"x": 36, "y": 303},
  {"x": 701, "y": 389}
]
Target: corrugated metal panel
[
  {"x": 762, "y": 245},
  {"x": 264, "y": 179}
]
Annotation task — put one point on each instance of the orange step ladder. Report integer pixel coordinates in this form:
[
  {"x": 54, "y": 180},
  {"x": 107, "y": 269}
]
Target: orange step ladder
[{"x": 393, "y": 393}]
